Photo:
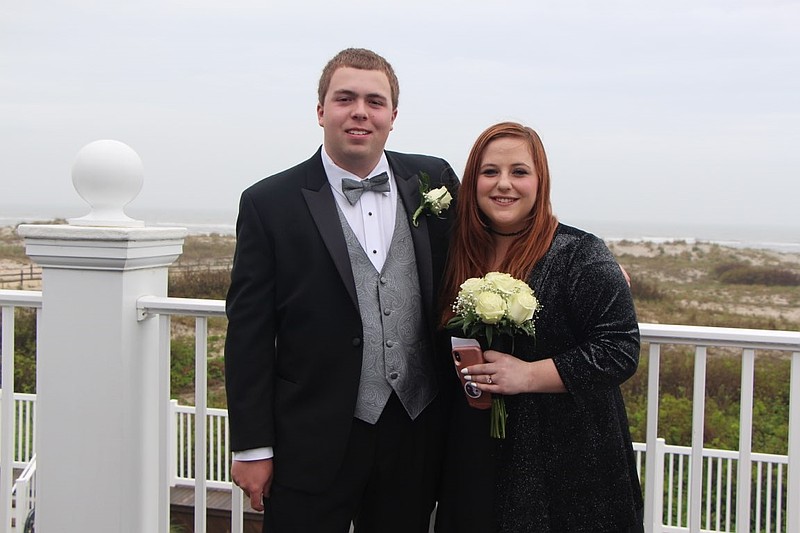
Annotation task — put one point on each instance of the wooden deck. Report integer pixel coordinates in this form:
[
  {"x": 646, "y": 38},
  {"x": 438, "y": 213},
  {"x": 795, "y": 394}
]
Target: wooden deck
[
  {"x": 218, "y": 515},
  {"x": 219, "y": 509}
]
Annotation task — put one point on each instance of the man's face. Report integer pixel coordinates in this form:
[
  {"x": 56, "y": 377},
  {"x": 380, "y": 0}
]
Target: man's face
[{"x": 357, "y": 117}]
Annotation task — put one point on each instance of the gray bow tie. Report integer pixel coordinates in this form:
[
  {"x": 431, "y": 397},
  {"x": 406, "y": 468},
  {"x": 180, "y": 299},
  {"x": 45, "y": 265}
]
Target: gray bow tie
[{"x": 353, "y": 189}]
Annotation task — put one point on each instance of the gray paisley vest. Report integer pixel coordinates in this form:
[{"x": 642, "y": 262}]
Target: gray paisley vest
[{"x": 396, "y": 353}]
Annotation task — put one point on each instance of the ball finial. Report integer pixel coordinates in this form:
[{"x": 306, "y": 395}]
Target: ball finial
[{"x": 108, "y": 175}]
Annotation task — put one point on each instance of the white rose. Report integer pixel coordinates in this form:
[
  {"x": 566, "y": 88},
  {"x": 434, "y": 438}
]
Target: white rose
[
  {"x": 503, "y": 282},
  {"x": 490, "y": 307},
  {"x": 471, "y": 286},
  {"x": 524, "y": 287},
  {"x": 521, "y": 307},
  {"x": 439, "y": 199}
]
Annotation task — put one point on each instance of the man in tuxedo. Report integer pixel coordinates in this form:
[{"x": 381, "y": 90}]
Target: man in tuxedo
[{"x": 331, "y": 369}]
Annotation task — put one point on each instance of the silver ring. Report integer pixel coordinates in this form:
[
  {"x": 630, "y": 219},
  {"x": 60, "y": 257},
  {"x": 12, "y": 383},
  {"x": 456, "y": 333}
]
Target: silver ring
[{"x": 489, "y": 380}]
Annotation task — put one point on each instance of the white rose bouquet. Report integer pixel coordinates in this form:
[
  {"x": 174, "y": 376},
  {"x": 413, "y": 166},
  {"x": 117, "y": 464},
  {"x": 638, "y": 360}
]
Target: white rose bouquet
[
  {"x": 495, "y": 304},
  {"x": 435, "y": 201}
]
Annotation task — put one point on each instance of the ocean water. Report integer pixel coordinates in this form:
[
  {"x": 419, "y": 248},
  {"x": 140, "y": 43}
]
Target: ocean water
[
  {"x": 198, "y": 222},
  {"x": 777, "y": 238},
  {"x": 207, "y": 221}
]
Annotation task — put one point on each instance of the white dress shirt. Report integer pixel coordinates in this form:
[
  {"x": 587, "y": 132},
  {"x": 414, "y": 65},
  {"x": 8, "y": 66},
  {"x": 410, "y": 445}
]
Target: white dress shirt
[{"x": 372, "y": 217}]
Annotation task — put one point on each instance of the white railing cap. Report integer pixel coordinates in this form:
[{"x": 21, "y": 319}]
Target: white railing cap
[
  {"x": 15, "y": 298},
  {"x": 711, "y": 336},
  {"x": 157, "y": 305}
]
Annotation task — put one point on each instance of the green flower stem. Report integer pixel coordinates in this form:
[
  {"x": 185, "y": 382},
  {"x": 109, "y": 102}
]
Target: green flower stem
[
  {"x": 498, "y": 416},
  {"x": 417, "y": 213}
]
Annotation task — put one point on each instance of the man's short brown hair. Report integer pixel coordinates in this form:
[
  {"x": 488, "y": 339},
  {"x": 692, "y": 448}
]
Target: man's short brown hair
[{"x": 363, "y": 59}]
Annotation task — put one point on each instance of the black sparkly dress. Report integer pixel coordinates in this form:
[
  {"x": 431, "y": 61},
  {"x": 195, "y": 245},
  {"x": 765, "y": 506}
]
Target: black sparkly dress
[{"x": 567, "y": 463}]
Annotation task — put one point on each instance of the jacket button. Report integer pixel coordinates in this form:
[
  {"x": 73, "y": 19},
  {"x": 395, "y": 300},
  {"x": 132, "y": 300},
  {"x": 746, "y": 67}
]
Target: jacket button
[
  {"x": 356, "y": 341},
  {"x": 394, "y": 375}
]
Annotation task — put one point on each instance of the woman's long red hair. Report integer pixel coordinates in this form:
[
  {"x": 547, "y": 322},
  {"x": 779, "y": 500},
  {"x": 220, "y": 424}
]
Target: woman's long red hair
[{"x": 471, "y": 246}]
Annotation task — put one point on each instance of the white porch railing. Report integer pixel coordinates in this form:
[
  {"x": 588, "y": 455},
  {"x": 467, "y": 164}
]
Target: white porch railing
[
  {"x": 748, "y": 341},
  {"x": 23, "y": 417},
  {"x": 24, "y": 492},
  {"x": 16, "y": 421},
  {"x": 718, "y": 497},
  {"x": 693, "y": 489},
  {"x": 218, "y": 454},
  {"x": 205, "y": 436}
]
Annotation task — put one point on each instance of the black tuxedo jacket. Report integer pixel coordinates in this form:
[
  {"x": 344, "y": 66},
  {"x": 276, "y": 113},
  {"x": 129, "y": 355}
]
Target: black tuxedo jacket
[{"x": 293, "y": 348}]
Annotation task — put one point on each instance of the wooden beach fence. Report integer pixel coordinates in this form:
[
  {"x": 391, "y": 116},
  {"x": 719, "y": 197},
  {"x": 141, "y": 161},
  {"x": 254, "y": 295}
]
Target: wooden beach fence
[{"x": 18, "y": 276}]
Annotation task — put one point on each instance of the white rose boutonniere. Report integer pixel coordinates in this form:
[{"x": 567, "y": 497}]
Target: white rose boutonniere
[{"x": 434, "y": 201}]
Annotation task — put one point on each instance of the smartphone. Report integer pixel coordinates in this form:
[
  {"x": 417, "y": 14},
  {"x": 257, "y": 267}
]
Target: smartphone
[{"x": 467, "y": 352}]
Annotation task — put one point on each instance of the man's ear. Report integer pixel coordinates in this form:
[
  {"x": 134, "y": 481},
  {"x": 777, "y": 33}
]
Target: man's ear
[{"x": 321, "y": 111}]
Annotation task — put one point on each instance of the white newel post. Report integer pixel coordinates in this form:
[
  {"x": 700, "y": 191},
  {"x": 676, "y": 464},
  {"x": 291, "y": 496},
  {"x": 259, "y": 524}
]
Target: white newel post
[{"x": 98, "y": 432}]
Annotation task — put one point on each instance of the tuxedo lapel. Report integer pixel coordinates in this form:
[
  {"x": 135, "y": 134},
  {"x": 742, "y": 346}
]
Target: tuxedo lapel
[
  {"x": 322, "y": 206},
  {"x": 407, "y": 181}
]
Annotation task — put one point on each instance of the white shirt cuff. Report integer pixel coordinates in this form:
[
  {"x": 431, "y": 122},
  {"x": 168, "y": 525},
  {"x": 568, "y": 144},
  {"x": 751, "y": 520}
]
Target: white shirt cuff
[{"x": 256, "y": 454}]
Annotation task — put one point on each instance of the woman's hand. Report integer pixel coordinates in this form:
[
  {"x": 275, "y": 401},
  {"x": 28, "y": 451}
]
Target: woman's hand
[{"x": 505, "y": 374}]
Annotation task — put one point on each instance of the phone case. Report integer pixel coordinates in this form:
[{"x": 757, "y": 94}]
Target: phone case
[{"x": 464, "y": 356}]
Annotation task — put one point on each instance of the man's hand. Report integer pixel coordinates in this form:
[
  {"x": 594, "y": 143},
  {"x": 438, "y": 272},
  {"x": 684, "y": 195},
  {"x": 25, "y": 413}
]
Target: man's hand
[
  {"x": 255, "y": 480},
  {"x": 625, "y": 274}
]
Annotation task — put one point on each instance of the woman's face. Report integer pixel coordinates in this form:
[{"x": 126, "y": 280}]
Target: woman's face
[{"x": 507, "y": 184}]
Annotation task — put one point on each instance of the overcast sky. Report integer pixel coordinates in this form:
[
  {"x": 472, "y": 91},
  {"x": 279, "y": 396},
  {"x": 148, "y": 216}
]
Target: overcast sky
[{"x": 680, "y": 111}]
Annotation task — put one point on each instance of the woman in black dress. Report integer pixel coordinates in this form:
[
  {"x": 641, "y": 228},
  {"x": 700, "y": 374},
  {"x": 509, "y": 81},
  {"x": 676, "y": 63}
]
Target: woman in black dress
[{"x": 567, "y": 462}]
